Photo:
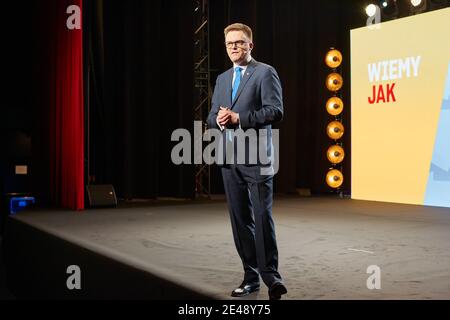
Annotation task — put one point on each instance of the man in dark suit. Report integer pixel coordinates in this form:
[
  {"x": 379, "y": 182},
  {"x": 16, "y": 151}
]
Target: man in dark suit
[{"x": 249, "y": 96}]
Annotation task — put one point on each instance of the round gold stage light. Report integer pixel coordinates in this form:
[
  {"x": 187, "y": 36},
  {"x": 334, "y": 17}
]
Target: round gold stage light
[
  {"x": 335, "y": 178},
  {"x": 335, "y": 154},
  {"x": 335, "y": 106},
  {"x": 334, "y": 82},
  {"x": 333, "y": 59},
  {"x": 335, "y": 130}
]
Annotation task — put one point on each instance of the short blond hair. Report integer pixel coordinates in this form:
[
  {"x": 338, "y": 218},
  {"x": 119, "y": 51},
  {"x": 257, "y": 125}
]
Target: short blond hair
[{"x": 239, "y": 27}]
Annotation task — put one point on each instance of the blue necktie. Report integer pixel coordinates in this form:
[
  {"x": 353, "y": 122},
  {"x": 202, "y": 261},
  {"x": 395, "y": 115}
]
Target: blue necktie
[{"x": 237, "y": 81}]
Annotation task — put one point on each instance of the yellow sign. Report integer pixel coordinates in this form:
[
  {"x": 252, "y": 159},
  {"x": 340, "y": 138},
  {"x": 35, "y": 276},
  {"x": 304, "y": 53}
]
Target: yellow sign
[{"x": 398, "y": 76}]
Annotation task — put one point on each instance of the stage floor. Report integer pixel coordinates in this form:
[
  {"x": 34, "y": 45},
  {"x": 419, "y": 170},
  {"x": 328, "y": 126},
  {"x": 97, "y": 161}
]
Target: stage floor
[{"x": 325, "y": 245}]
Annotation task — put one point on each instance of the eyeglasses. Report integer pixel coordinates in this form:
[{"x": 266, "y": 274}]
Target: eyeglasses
[{"x": 238, "y": 43}]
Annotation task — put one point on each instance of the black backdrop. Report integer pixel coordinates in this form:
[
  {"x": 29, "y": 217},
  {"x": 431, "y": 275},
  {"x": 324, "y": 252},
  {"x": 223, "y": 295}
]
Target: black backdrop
[
  {"x": 139, "y": 85},
  {"x": 139, "y": 82},
  {"x": 16, "y": 116},
  {"x": 140, "y": 78}
]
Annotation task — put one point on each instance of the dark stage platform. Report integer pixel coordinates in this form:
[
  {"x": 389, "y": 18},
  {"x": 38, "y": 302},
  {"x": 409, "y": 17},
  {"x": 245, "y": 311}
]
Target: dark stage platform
[{"x": 184, "y": 250}]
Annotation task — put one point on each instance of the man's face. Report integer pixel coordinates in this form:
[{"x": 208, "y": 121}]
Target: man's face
[{"x": 238, "y": 46}]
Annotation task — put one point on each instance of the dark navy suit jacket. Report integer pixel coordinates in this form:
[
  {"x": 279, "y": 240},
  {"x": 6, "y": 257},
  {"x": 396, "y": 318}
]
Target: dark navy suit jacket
[{"x": 259, "y": 100}]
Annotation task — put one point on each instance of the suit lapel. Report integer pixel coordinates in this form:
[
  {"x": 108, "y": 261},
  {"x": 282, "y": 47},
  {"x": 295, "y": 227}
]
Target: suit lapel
[
  {"x": 248, "y": 73},
  {"x": 229, "y": 87}
]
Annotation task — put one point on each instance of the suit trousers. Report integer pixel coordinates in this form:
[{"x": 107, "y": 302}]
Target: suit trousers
[{"x": 250, "y": 197}]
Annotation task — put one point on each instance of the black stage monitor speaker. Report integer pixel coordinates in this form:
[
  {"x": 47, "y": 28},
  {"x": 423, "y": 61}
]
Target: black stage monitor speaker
[{"x": 101, "y": 195}]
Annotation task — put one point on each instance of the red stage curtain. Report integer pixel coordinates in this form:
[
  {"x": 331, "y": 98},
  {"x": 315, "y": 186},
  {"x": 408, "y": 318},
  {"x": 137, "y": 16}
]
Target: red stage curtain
[{"x": 66, "y": 110}]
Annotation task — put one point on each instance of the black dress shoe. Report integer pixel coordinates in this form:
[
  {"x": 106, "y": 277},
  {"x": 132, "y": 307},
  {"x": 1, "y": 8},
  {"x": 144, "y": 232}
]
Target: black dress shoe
[
  {"x": 245, "y": 289},
  {"x": 276, "y": 290}
]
